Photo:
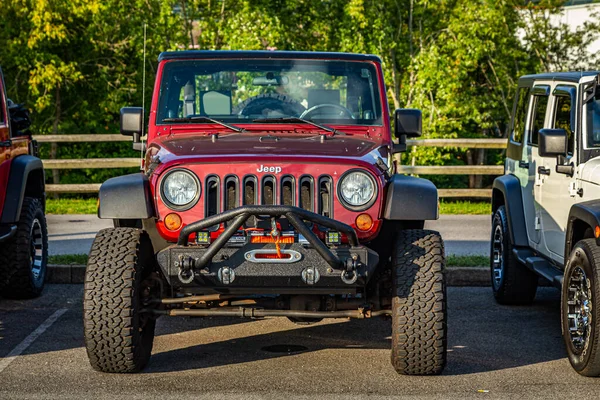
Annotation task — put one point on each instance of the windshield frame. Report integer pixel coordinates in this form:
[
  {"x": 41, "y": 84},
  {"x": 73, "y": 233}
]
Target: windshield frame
[{"x": 376, "y": 86}]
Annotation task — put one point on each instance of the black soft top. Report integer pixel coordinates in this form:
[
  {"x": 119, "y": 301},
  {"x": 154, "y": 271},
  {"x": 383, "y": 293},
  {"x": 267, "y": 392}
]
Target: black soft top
[
  {"x": 573, "y": 76},
  {"x": 245, "y": 54}
]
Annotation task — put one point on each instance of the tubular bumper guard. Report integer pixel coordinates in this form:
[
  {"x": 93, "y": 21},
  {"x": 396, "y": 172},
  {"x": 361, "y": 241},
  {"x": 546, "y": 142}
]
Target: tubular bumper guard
[{"x": 315, "y": 265}]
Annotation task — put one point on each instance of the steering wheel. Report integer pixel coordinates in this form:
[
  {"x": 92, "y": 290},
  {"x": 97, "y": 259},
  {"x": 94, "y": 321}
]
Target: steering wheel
[
  {"x": 267, "y": 103},
  {"x": 340, "y": 110}
]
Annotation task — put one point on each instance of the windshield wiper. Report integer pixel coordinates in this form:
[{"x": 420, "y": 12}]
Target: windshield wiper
[
  {"x": 326, "y": 128},
  {"x": 204, "y": 120}
]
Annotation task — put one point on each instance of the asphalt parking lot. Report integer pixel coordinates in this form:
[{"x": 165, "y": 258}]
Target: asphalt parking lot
[{"x": 494, "y": 352}]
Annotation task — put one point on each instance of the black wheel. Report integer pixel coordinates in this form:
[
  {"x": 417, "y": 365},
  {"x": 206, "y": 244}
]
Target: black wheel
[
  {"x": 512, "y": 282},
  {"x": 419, "y": 329},
  {"x": 118, "y": 336},
  {"x": 24, "y": 257},
  {"x": 580, "y": 314}
]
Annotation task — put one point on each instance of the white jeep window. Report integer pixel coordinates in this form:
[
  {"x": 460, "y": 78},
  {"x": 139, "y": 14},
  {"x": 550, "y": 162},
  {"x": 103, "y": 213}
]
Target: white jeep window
[
  {"x": 540, "y": 103},
  {"x": 593, "y": 121},
  {"x": 520, "y": 115},
  {"x": 564, "y": 118}
]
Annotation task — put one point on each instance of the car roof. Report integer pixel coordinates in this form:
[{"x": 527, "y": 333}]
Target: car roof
[
  {"x": 241, "y": 54},
  {"x": 572, "y": 76}
]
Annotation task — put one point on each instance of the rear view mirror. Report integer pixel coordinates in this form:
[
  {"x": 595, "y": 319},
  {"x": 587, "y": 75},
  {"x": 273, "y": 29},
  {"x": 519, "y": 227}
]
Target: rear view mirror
[
  {"x": 408, "y": 122},
  {"x": 270, "y": 80},
  {"x": 552, "y": 143}
]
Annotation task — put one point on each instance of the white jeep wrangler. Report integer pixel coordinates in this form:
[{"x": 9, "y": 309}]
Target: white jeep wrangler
[{"x": 546, "y": 208}]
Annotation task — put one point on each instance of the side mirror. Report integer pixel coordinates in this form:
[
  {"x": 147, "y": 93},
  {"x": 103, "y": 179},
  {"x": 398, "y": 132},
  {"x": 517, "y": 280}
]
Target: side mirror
[
  {"x": 132, "y": 120},
  {"x": 407, "y": 121},
  {"x": 552, "y": 143}
]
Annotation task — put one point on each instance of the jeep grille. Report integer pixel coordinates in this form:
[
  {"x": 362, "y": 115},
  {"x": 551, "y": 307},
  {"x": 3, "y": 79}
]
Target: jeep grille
[{"x": 226, "y": 193}]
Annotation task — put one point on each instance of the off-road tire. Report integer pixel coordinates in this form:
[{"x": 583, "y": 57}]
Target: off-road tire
[
  {"x": 118, "y": 338},
  {"x": 419, "y": 328},
  {"x": 585, "y": 255},
  {"x": 517, "y": 285},
  {"x": 18, "y": 254}
]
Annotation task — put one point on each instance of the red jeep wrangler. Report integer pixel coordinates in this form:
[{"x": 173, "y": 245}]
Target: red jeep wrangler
[
  {"x": 268, "y": 189},
  {"x": 23, "y": 234}
]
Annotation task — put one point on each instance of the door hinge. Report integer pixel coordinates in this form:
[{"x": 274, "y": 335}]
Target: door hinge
[{"x": 538, "y": 223}]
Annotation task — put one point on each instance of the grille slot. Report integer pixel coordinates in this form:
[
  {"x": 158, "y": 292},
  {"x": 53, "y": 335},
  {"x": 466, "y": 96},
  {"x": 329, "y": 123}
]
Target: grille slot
[
  {"x": 231, "y": 192},
  {"x": 288, "y": 191},
  {"x": 268, "y": 190},
  {"x": 250, "y": 193},
  {"x": 325, "y": 196},
  {"x": 212, "y": 197},
  {"x": 307, "y": 193}
]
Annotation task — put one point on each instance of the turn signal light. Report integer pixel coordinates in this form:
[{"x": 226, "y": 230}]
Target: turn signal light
[
  {"x": 173, "y": 222},
  {"x": 597, "y": 231},
  {"x": 364, "y": 222}
]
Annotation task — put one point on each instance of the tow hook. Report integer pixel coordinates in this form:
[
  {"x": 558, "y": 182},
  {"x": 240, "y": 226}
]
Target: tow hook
[
  {"x": 349, "y": 274},
  {"x": 186, "y": 272}
]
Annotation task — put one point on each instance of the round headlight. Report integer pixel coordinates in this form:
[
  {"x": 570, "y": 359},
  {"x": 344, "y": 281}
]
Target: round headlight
[
  {"x": 357, "y": 189},
  {"x": 180, "y": 188}
]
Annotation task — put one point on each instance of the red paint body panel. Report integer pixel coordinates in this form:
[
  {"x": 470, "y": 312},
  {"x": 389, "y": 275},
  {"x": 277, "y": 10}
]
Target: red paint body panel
[{"x": 298, "y": 150}]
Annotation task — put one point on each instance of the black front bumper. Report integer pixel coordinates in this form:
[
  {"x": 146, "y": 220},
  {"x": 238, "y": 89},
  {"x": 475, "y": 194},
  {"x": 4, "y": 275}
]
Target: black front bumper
[{"x": 312, "y": 265}]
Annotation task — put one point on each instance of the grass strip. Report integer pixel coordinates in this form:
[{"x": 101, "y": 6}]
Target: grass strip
[
  {"x": 465, "y": 207},
  {"x": 89, "y": 206},
  {"x": 68, "y": 259},
  {"x": 71, "y": 206},
  {"x": 451, "y": 260},
  {"x": 467, "y": 261}
]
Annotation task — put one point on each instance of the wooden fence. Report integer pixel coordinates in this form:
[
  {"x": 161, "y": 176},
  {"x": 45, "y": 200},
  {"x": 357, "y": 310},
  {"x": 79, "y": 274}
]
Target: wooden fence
[{"x": 407, "y": 169}]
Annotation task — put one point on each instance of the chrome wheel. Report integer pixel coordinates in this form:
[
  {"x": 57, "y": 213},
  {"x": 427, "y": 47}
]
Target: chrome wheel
[
  {"x": 497, "y": 255},
  {"x": 36, "y": 253},
  {"x": 579, "y": 309}
]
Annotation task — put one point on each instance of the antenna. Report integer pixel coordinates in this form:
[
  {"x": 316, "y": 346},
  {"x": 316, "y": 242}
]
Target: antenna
[{"x": 144, "y": 94}]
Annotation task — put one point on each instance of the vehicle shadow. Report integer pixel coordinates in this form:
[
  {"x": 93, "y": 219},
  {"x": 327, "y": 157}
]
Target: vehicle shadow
[{"x": 483, "y": 336}]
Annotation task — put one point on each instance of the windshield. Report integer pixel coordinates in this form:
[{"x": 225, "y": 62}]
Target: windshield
[{"x": 336, "y": 92}]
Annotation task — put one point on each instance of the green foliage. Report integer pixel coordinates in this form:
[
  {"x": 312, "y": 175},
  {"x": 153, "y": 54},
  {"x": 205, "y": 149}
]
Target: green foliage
[{"x": 77, "y": 62}]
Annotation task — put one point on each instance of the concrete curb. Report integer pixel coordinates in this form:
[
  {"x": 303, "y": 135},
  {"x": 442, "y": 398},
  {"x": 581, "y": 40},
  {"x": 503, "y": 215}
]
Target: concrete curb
[{"x": 456, "y": 276}]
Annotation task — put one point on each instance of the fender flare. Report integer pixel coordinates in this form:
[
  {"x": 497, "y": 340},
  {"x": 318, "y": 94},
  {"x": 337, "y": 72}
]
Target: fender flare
[
  {"x": 507, "y": 190},
  {"x": 588, "y": 213},
  {"x": 21, "y": 169},
  {"x": 126, "y": 197},
  {"x": 411, "y": 199}
]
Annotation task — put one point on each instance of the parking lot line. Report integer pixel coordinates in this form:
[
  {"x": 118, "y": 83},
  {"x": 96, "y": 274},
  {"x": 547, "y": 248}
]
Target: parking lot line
[{"x": 21, "y": 347}]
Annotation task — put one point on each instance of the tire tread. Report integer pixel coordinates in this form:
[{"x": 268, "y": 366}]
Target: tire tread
[{"x": 419, "y": 319}]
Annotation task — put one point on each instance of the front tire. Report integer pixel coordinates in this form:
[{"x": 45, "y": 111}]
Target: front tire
[
  {"x": 419, "y": 313},
  {"x": 24, "y": 257},
  {"x": 118, "y": 337},
  {"x": 512, "y": 282},
  {"x": 579, "y": 308}
]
